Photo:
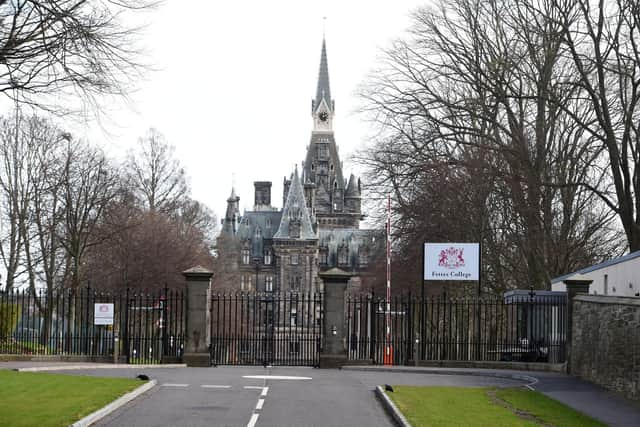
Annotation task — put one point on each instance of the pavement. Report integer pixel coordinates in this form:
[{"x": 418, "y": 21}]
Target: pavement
[{"x": 288, "y": 396}]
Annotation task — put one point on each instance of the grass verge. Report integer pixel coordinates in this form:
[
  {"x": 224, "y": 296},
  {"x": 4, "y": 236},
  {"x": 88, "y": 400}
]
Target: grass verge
[
  {"x": 50, "y": 400},
  {"x": 480, "y": 407}
]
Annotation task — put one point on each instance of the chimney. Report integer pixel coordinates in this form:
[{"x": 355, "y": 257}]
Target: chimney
[{"x": 262, "y": 195}]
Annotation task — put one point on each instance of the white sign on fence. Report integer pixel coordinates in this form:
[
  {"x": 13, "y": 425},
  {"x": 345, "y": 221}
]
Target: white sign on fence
[
  {"x": 103, "y": 314},
  {"x": 451, "y": 261}
]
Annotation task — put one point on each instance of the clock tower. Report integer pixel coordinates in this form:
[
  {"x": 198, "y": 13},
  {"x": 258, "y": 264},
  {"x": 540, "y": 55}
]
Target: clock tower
[
  {"x": 333, "y": 201},
  {"x": 323, "y": 107}
]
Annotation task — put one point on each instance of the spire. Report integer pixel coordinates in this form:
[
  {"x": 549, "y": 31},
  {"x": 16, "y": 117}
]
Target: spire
[
  {"x": 232, "y": 215},
  {"x": 323, "y": 91},
  {"x": 353, "y": 187},
  {"x": 295, "y": 222}
]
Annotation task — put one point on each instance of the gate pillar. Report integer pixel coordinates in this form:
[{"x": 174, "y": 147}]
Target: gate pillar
[
  {"x": 334, "y": 349},
  {"x": 196, "y": 351},
  {"x": 576, "y": 284}
]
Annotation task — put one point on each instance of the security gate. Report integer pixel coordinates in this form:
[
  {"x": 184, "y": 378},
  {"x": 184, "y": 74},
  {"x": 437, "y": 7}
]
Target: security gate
[{"x": 266, "y": 329}]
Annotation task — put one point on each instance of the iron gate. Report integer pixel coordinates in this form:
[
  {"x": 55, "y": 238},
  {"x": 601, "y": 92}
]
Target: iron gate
[
  {"x": 526, "y": 328},
  {"x": 266, "y": 329}
]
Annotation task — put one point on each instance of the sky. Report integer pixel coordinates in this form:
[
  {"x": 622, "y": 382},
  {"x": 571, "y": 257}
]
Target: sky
[{"x": 233, "y": 84}]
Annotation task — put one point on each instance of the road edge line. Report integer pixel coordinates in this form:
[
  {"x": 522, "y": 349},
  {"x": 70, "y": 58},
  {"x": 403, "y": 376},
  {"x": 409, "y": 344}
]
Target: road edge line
[
  {"x": 101, "y": 366},
  {"x": 391, "y": 408},
  {"x": 116, "y": 404}
]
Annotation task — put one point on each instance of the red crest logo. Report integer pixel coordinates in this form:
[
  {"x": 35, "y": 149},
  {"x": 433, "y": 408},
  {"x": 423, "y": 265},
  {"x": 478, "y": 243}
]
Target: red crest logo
[{"x": 451, "y": 258}]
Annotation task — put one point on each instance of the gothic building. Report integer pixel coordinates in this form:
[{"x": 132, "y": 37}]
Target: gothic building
[{"x": 318, "y": 228}]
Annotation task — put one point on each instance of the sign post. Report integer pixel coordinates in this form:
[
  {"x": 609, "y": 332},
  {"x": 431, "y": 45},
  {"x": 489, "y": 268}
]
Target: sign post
[{"x": 457, "y": 262}]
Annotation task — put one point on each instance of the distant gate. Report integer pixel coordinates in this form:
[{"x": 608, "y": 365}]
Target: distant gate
[
  {"x": 266, "y": 329},
  {"x": 528, "y": 328}
]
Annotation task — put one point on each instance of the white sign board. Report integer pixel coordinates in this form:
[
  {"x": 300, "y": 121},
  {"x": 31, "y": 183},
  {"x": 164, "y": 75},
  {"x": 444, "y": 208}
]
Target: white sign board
[
  {"x": 103, "y": 314},
  {"x": 451, "y": 261}
]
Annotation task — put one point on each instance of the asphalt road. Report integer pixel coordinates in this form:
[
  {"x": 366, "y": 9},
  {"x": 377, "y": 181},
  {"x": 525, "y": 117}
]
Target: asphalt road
[{"x": 300, "y": 397}]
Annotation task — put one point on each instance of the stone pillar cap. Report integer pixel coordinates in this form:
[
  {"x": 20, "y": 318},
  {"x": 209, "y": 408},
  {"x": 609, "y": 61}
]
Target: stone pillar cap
[
  {"x": 198, "y": 272},
  {"x": 577, "y": 279},
  {"x": 335, "y": 274}
]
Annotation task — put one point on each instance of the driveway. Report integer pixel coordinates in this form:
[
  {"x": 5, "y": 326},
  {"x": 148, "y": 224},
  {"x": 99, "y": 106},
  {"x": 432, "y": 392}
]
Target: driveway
[{"x": 259, "y": 397}]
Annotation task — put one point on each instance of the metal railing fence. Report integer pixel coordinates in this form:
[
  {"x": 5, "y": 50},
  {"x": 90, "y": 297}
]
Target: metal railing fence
[
  {"x": 148, "y": 327},
  {"x": 522, "y": 328}
]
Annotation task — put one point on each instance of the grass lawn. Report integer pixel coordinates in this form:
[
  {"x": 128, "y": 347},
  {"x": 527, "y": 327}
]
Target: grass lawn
[
  {"x": 457, "y": 406},
  {"x": 30, "y": 399}
]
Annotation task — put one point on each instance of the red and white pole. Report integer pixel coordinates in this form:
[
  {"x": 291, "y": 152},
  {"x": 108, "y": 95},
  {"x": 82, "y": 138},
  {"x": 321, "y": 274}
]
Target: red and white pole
[{"x": 388, "y": 359}]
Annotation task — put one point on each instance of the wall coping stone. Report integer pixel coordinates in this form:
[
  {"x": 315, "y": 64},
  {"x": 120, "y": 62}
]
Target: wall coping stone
[{"x": 608, "y": 299}]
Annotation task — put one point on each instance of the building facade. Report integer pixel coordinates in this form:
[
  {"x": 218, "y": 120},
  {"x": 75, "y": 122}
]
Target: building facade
[
  {"x": 267, "y": 249},
  {"x": 617, "y": 277}
]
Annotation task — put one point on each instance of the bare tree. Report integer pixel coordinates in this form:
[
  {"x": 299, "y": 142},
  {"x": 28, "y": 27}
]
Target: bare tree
[
  {"x": 465, "y": 114},
  {"x": 156, "y": 176},
  {"x": 602, "y": 47},
  {"x": 90, "y": 182},
  {"x": 78, "y": 47}
]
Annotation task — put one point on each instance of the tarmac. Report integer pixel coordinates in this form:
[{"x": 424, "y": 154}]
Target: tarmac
[{"x": 590, "y": 399}]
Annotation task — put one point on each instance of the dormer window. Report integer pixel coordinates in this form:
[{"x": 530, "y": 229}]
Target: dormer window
[{"x": 246, "y": 256}]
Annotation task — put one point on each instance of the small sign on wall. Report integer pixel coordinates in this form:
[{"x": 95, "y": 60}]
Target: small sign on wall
[
  {"x": 451, "y": 261},
  {"x": 103, "y": 314}
]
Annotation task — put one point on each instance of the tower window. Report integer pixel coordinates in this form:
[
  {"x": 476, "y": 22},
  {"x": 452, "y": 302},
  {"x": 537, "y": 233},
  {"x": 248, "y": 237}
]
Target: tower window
[
  {"x": 322, "y": 151},
  {"x": 343, "y": 255},
  {"x": 323, "y": 256}
]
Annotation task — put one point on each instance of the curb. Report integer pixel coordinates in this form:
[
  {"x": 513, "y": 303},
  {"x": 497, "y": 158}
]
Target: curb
[
  {"x": 531, "y": 381},
  {"x": 119, "y": 402},
  {"x": 391, "y": 408},
  {"x": 101, "y": 366}
]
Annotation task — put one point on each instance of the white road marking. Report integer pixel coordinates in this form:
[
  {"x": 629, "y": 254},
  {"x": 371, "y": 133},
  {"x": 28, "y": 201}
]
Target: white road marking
[
  {"x": 264, "y": 391},
  {"x": 275, "y": 377},
  {"x": 215, "y": 386},
  {"x": 529, "y": 387},
  {"x": 253, "y": 420},
  {"x": 174, "y": 385},
  {"x": 259, "y": 405}
]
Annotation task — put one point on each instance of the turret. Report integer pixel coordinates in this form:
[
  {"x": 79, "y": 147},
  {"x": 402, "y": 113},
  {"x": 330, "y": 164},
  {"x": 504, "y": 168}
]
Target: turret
[
  {"x": 353, "y": 195},
  {"x": 232, "y": 215}
]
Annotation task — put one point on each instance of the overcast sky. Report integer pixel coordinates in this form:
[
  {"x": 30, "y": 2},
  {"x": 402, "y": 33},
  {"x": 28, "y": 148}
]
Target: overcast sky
[{"x": 235, "y": 81}]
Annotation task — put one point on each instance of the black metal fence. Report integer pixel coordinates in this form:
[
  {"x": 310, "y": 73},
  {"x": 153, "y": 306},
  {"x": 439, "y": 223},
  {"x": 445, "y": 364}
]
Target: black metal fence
[
  {"x": 147, "y": 327},
  {"x": 266, "y": 329},
  {"x": 518, "y": 328}
]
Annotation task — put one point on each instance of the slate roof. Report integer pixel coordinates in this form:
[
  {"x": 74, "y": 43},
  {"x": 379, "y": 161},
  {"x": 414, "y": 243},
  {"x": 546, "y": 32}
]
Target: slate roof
[
  {"x": 323, "y": 90},
  {"x": 355, "y": 240},
  {"x": 589, "y": 269},
  {"x": 264, "y": 222},
  {"x": 295, "y": 208}
]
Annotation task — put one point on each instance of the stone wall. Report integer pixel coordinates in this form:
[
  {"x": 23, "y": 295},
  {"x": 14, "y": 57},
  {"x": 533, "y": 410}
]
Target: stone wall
[{"x": 606, "y": 342}]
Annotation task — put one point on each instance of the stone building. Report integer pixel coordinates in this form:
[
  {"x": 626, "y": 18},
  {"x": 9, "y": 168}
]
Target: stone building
[{"x": 268, "y": 249}]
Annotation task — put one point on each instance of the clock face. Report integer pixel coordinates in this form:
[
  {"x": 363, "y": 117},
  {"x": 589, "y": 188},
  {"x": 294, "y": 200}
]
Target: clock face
[{"x": 323, "y": 116}]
